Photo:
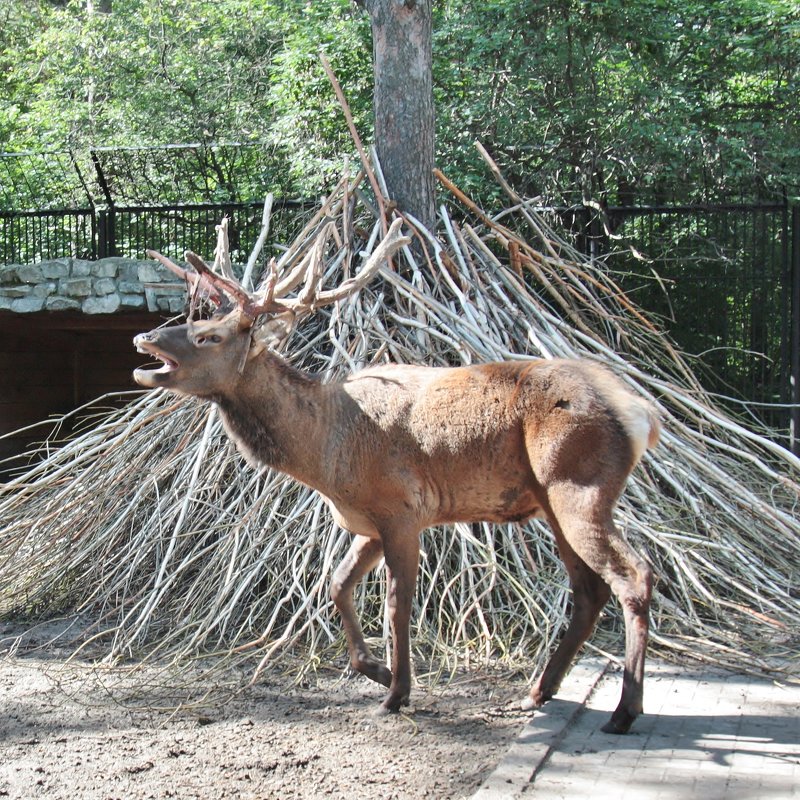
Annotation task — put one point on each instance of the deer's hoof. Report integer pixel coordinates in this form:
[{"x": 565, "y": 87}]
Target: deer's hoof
[
  {"x": 382, "y": 711},
  {"x": 534, "y": 700},
  {"x": 373, "y": 669},
  {"x": 392, "y": 704},
  {"x": 620, "y": 722}
]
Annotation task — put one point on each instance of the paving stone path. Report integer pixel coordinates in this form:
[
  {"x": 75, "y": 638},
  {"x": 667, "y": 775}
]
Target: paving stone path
[{"x": 705, "y": 735}]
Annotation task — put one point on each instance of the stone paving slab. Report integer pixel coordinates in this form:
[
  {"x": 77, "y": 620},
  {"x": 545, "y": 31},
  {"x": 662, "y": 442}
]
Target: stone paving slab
[{"x": 705, "y": 734}]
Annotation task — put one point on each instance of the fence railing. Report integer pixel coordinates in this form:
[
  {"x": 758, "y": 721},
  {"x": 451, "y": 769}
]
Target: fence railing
[
  {"x": 120, "y": 201},
  {"x": 27, "y": 237}
]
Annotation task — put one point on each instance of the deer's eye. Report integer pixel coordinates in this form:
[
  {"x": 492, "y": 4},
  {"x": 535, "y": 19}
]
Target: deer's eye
[{"x": 213, "y": 339}]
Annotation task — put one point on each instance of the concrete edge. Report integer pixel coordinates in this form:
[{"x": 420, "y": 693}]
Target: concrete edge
[{"x": 539, "y": 737}]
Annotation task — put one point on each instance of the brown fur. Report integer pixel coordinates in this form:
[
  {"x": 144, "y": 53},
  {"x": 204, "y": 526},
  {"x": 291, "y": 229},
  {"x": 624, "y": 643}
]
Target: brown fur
[{"x": 395, "y": 449}]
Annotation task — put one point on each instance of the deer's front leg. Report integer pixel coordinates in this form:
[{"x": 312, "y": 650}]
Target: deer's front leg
[
  {"x": 402, "y": 563},
  {"x": 363, "y": 555}
]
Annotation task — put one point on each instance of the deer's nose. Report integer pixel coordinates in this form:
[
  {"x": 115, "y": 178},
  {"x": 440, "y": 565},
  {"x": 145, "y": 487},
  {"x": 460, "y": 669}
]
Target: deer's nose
[{"x": 141, "y": 338}]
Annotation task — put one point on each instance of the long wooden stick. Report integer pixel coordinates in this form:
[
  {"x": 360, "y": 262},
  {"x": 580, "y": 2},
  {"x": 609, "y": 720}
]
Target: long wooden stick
[{"x": 356, "y": 138}]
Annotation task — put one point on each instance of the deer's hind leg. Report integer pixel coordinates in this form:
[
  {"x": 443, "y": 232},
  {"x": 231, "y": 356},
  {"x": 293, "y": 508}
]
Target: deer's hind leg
[
  {"x": 363, "y": 555},
  {"x": 589, "y": 594},
  {"x": 585, "y": 522}
]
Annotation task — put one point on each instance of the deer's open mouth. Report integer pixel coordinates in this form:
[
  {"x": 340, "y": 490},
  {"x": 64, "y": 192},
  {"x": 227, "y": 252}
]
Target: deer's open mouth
[
  {"x": 167, "y": 364},
  {"x": 146, "y": 376}
]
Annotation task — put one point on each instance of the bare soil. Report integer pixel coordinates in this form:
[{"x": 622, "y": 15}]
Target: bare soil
[{"x": 80, "y": 732}]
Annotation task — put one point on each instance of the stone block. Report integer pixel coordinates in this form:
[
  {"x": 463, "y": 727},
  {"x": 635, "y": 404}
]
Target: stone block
[
  {"x": 14, "y": 292},
  {"x": 129, "y": 270},
  {"x": 105, "y": 268},
  {"x": 121, "y": 264},
  {"x": 132, "y": 300},
  {"x": 30, "y": 273},
  {"x": 151, "y": 273},
  {"x": 130, "y": 287},
  {"x": 58, "y": 303},
  {"x": 26, "y": 305},
  {"x": 8, "y": 273},
  {"x": 104, "y": 286},
  {"x": 81, "y": 268},
  {"x": 44, "y": 289},
  {"x": 101, "y": 305},
  {"x": 52, "y": 270},
  {"x": 76, "y": 287},
  {"x": 151, "y": 299}
]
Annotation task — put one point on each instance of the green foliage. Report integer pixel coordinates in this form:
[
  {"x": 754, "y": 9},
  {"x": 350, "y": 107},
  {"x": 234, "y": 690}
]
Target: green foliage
[
  {"x": 625, "y": 101},
  {"x": 641, "y": 100},
  {"x": 163, "y": 71},
  {"x": 307, "y": 122},
  {"x": 150, "y": 72}
]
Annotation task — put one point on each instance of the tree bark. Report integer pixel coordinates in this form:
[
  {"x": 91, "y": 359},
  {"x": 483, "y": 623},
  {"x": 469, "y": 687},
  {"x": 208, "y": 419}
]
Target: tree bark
[{"x": 403, "y": 102}]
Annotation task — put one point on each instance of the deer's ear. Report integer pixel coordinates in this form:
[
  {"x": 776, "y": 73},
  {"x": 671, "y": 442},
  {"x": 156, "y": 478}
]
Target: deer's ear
[{"x": 273, "y": 332}]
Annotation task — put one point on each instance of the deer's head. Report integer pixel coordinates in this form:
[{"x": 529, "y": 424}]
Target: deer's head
[
  {"x": 207, "y": 357},
  {"x": 200, "y": 358}
]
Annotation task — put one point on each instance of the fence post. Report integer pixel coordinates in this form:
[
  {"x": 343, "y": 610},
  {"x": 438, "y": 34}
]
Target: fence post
[
  {"x": 105, "y": 233},
  {"x": 106, "y": 227},
  {"x": 794, "y": 335}
]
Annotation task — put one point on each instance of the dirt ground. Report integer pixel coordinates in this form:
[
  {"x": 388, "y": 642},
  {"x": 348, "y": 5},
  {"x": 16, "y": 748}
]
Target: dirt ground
[{"x": 78, "y": 733}]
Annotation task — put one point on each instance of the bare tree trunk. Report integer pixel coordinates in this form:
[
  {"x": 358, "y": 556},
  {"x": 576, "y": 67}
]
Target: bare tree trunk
[{"x": 403, "y": 102}]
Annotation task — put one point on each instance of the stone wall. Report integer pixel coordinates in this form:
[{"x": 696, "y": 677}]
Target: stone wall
[{"x": 106, "y": 286}]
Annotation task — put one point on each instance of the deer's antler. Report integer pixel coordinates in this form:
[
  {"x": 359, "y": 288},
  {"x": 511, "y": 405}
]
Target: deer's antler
[
  {"x": 388, "y": 246},
  {"x": 195, "y": 281},
  {"x": 224, "y": 291}
]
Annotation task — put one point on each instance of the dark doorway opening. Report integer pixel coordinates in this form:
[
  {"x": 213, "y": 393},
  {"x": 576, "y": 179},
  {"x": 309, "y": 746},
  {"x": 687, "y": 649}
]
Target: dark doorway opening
[{"x": 54, "y": 363}]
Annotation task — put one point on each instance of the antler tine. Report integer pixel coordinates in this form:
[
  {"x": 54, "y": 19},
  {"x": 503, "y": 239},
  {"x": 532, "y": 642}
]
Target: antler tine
[
  {"x": 198, "y": 263},
  {"x": 171, "y": 266},
  {"x": 299, "y": 271},
  {"x": 222, "y": 253},
  {"x": 194, "y": 280},
  {"x": 225, "y": 285},
  {"x": 309, "y": 269},
  {"x": 388, "y": 246},
  {"x": 271, "y": 282},
  {"x": 294, "y": 278},
  {"x": 264, "y": 301},
  {"x": 308, "y": 295}
]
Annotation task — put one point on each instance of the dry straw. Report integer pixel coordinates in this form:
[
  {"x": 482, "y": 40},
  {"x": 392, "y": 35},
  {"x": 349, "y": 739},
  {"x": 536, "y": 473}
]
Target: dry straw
[{"x": 153, "y": 530}]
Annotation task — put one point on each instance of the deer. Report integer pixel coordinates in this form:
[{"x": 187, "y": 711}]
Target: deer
[{"x": 394, "y": 449}]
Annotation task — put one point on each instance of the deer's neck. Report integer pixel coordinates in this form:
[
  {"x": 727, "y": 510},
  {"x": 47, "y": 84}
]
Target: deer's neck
[{"x": 278, "y": 416}]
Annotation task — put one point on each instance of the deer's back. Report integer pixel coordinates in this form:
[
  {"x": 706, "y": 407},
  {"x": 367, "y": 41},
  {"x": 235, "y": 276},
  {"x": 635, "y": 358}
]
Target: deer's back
[
  {"x": 449, "y": 409},
  {"x": 483, "y": 442}
]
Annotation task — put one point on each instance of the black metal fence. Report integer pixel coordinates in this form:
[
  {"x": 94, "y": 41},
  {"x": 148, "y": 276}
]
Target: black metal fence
[
  {"x": 724, "y": 279},
  {"x": 27, "y": 237},
  {"x": 122, "y": 201}
]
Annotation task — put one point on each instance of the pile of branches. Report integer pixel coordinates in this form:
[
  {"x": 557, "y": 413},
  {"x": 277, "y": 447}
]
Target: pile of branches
[{"x": 151, "y": 528}]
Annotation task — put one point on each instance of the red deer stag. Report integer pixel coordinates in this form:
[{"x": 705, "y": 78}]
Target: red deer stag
[{"x": 395, "y": 449}]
